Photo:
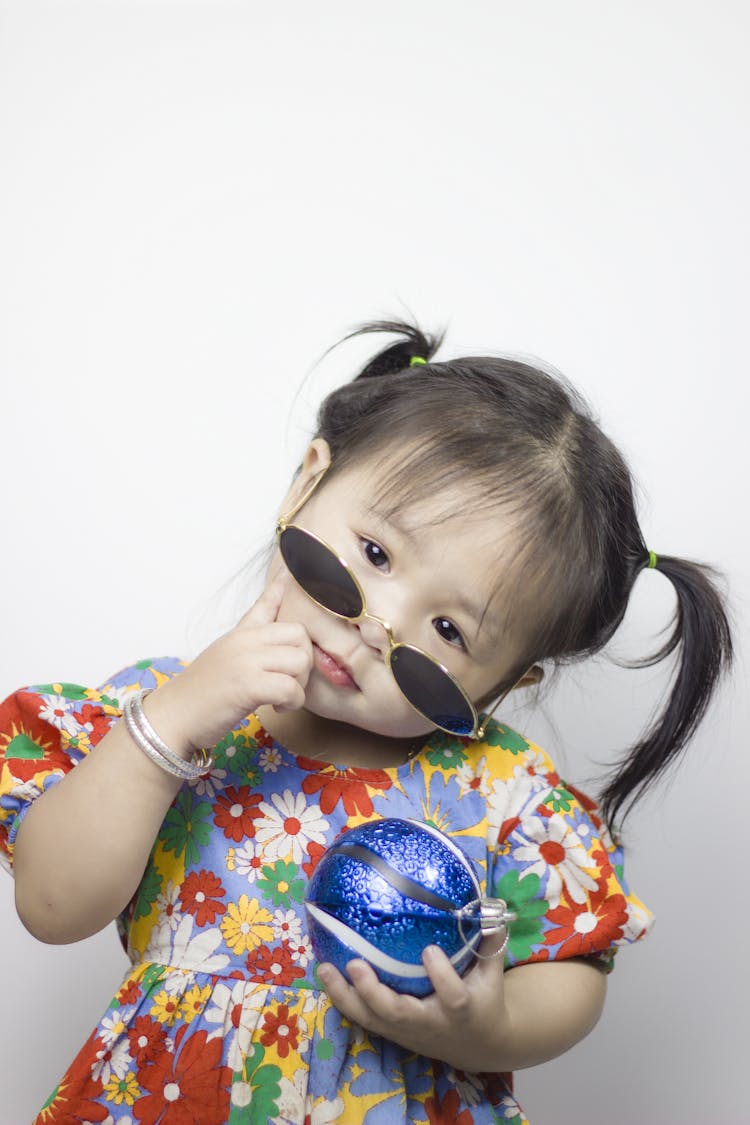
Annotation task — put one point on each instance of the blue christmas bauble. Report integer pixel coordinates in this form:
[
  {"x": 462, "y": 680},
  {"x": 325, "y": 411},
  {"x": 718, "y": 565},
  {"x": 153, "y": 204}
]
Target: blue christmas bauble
[{"x": 387, "y": 889}]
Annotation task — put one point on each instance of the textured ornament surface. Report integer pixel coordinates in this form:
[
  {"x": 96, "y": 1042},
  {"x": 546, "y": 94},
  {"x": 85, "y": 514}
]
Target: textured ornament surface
[{"x": 385, "y": 890}]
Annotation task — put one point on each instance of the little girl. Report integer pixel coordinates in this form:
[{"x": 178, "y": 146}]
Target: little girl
[{"x": 454, "y": 527}]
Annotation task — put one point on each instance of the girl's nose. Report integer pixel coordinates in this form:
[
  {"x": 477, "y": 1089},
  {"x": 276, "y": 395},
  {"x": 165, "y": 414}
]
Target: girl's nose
[{"x": 375, "y": 633}]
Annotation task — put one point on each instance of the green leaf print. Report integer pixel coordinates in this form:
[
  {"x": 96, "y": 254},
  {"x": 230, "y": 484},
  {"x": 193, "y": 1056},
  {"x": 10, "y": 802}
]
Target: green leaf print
[
  {"x": 560, "y": 799},
  {"x": 70, "y": 691},
  {"x": 23, "y": 748},
  {"x": 280, "y": 883},
  {"x": 324, "y": 1049},
  {"x": 184, "y": 828},
  {"x": 446, "y": 752},
  {"x": 235, "y": 753},
  {"x": 521, "y": 897},
  {"x": 148, "y": 892},
  {"x": 507, "y": 739},
  {"x": 516, "y": 1119},
  {"x": 151, "y": 979},
  {"x": 261, "y": 1100}
]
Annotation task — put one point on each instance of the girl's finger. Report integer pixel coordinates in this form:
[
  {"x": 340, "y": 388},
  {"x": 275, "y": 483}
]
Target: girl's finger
[
  {"x": 345, "y": 997},
  {"x": 266, "y": 608},
  {"x": 379, "y": 998},
  {"x": 490, "y": 959},
  {"x": 450, "y": 989}
]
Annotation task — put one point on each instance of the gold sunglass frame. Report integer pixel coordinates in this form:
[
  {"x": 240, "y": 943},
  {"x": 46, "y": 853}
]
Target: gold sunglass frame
[{"x": 478, "y": 728}]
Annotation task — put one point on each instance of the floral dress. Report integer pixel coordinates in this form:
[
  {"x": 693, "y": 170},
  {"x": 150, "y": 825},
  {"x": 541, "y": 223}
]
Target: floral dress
[{"x": 221, "y": 1017}]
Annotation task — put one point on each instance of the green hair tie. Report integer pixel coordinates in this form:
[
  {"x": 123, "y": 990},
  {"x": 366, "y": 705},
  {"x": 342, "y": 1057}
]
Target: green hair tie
[
  {"x": 652, "y": 560},
  {"x": 415, "y": 360}
]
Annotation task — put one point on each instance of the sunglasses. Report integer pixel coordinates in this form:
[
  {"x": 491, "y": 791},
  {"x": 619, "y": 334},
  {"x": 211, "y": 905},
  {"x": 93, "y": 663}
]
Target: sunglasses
[{"x": 328, "y": 580}]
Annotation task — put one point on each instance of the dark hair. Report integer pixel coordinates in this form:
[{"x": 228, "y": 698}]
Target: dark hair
[{"x": 526, "y": 439}]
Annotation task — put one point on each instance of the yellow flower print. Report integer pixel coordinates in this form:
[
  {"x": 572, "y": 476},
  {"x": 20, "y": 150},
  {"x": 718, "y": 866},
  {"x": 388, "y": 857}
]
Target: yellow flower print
[
  {"x": 246, "y": 925},
  {"x": 165, "y": 1008},
  {"x": 119, "y": 1090},
  {"x": 194, "y": 1001}
]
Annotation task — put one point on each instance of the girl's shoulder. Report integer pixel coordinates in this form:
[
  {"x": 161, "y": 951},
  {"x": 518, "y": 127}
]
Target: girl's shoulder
[
  {"x": 47, "y": 728},
  {"x": 519, "y": 779},
  {"x": 502, "y": 755}
]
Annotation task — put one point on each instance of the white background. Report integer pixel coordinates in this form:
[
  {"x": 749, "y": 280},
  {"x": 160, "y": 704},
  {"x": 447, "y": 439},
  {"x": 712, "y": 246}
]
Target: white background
[{"x": 195, "y": 201}]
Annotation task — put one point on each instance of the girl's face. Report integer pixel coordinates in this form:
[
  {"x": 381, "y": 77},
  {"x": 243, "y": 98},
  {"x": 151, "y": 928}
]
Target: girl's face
[{"x": 430, "y": 577}]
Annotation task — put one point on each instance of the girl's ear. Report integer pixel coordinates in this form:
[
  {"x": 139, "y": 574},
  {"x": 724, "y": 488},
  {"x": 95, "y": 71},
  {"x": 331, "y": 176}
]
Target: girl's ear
[
  {"x": 316, "y": 460},
  {"x": 535, "y": 675}
]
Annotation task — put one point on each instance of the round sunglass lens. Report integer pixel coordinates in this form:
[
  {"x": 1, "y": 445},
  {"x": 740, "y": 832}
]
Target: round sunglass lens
[
  {"x": 431, "y": 690},
  {"x": 319, "y": 572}
]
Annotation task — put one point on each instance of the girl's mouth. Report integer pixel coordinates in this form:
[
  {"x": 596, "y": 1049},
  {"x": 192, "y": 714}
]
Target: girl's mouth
[{"x": 331, "y": 670}]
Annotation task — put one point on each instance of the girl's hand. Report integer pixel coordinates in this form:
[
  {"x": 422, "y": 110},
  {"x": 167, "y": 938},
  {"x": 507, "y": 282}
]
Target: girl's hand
[
  {"x": 259, "y": 661},
  {"x": 463, "y": 1023}
]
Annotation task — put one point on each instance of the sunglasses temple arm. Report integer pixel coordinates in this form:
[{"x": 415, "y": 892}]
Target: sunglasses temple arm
[
  {"x": 482, "y": 727},
  {"x": 289, "y": 516}
]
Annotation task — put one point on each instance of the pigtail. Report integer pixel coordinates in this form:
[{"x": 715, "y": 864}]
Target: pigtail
[
  {"x": 701, "y": 634},
  {"x": 414, "y": 344}
]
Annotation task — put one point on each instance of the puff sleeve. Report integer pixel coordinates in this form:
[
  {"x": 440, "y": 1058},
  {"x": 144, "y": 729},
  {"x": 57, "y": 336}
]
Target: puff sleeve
[
  {"x": 47, "y": 729},
  {"x": 554, "y": 862}
]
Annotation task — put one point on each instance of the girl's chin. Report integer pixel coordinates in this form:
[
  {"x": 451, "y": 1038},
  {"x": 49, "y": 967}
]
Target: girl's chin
[{"x": 353, "y": 712}]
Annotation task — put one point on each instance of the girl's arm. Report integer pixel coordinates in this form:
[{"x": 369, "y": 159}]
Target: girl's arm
[
  {"x": 83, "y": 846},
  {"x": 487, "y": 1021}
]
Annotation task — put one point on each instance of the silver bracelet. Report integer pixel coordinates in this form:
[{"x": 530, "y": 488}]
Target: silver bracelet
[{"x": 146, "y": 738}]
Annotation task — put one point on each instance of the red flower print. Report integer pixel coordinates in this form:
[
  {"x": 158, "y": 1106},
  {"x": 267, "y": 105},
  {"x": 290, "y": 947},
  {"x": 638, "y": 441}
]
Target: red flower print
[
  {"x": 589, "y": 805},
  {"x": 190, "y": 1085},
  {"x": 235, "y": 810},
  {"x": 93, "y": 719},
  {"x": 262, "y": 739},
  {"x": 77, "y": 1091},
  {"x": 498, "y": 1086},
  {"x": 602, "y": 859},
  {"x": 506, "y": 828},
  {"x": 129, "y": 992},
  {"x": 445, "y": 1111},
  {"x": 199, "y": 895},
  {"x": 273, "y": 966},
  {"x": 147, "y": 1039},
  {"x": 282, "y": 1029},
  {"x": 314, "y": 851},
  {"x": 28, "y": 744},
  {"x": 350, "y": 786},
  {"x": 588, "y": 927}
]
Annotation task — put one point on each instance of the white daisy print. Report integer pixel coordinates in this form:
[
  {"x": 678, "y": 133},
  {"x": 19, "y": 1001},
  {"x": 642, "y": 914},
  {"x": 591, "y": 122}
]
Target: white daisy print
[
  {"x": 247, "y": 860},
  {"x": 269, "y": 759},
  {"x": 301, "y": 950},
  {"x": 235, "y": 1012},
  {"x": 209, "y": 784},
  {"x": 510, "y": 799},
  {"x": 533, "y": 763},
  {"x": 112, "y": 1029},
  {"x": 288, "y": 825},
  {"x": 555, "y": 850},
  {"x": 182, "y": 949},
  {"x": 469, "y": 1087},
  {"x": 167, "y": 906},
  {"x": 287, "y": 926},
  {"x": 640, "y": 920},
  {"x": 474, "y": 779},
  {"x": 115, "y": 1060},
  {"x": 197, "y": 952},
  {"x": 295, "y": 1104},
  {"x": 56, "y": 711}
]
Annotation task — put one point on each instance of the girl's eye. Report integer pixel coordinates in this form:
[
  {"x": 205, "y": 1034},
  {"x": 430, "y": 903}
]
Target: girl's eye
[
  {"x": 448, "y": 631},
  {"x": 375, "y": 554}
]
